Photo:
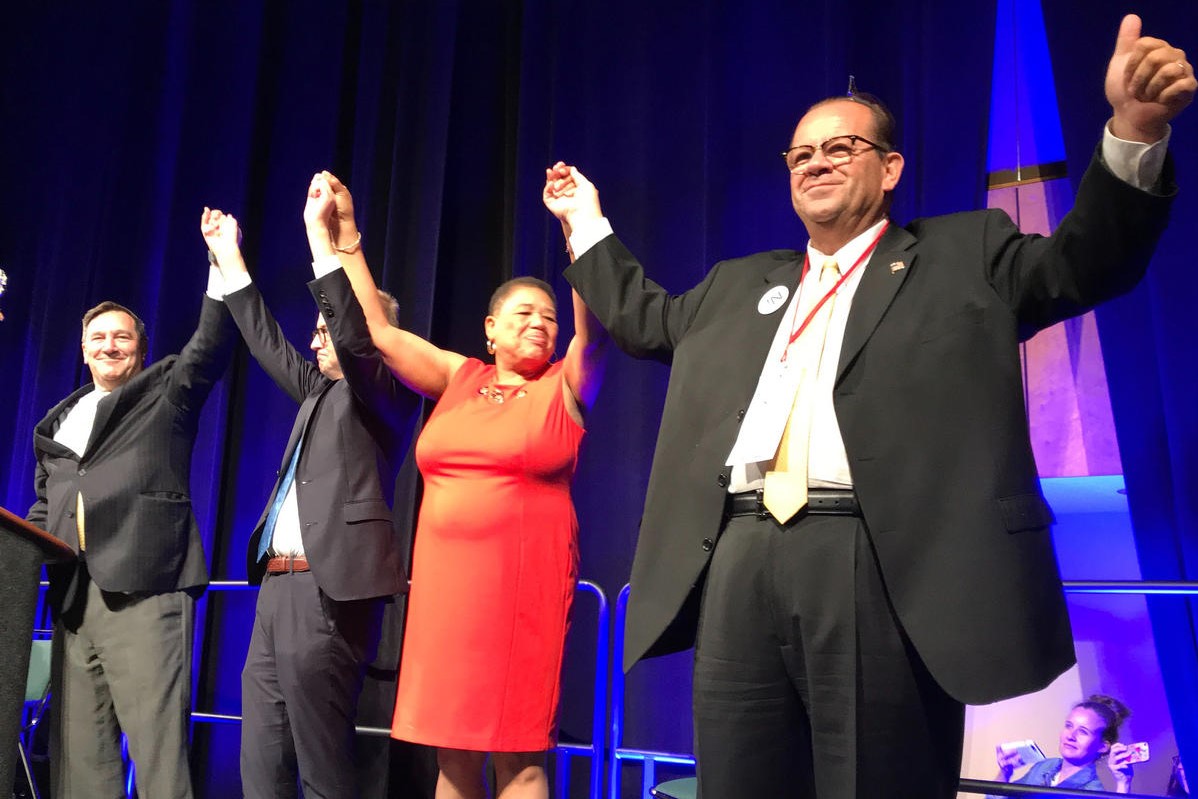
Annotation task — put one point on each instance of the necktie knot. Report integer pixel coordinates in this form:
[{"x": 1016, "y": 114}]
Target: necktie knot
[{"x": 830, "y": 271}]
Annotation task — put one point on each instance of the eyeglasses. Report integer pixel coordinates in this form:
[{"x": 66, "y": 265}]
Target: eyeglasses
[
  {"x": 321, "y": 333},
  {"x": 839, "y": 150}
]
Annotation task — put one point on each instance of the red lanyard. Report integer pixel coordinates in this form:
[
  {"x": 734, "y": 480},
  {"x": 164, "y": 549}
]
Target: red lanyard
[{"x": 795, "y": 333}]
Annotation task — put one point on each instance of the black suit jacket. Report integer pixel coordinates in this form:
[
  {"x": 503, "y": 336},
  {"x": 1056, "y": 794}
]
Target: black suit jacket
[
  {"x": 135, "y": 474},
  {"x": 355, "y": 434},
  {"x": 929, "y": 399}
]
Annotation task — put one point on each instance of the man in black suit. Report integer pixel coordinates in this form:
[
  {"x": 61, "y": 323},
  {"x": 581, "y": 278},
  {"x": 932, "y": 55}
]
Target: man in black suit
[
  {"x": 844, "y": 513},
  {"x": 325, "y": 542},
  {"x": 113, "y": 481}
]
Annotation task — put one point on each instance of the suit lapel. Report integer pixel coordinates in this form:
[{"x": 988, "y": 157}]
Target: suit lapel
[
  {"x": 883, "y": 277},
  {"x": 114, "y": 406},
  {"x": 786, "y": 274},
  {"x": 303, "y": 419},
  {"x": 760, "y": 332},
  {"x": 43, "y": 433},
  {"x": 104, "y": 411}
]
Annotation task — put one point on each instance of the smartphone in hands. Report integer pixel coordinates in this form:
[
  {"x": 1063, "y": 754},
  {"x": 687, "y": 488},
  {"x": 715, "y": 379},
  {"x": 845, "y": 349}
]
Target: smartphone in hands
[
  {"x": 1029, "y": 751},
  {"x": 1137, "y": 752}
]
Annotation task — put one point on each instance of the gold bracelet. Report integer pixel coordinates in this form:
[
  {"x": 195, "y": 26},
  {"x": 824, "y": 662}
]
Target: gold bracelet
[{"x": 351, "y": 247}]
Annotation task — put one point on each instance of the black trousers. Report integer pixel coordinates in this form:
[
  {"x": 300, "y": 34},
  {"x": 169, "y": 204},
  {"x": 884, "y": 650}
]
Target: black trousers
[
  {"x": 805, "y": 685},
  {"x": 299, "y": 689}
]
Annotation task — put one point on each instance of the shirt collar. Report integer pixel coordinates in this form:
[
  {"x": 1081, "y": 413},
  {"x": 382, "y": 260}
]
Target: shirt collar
[{"x": 850, "y": 252}]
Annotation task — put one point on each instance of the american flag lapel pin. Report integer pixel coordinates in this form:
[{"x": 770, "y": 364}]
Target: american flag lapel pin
[{"x": 897, "y": 266}]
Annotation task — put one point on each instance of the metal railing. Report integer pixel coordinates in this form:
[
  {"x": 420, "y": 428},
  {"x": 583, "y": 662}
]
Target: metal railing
[
  {"x": 619, "y": 754},
  {"x": 563, "y": 753},
  {"x": 1013, "y": 789},
  {"x": 609, "y": 749}
]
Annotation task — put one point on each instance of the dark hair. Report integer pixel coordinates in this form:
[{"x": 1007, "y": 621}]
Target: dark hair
[
  {"x": 143, "y": 341},
  {"x": 884, "y": 124},
  {"x": 390, "y": 307},
  {"x": 1110, "y": 710},
  {"x": 1176, "y": 786},
  {"x": 507, "y": 288}
]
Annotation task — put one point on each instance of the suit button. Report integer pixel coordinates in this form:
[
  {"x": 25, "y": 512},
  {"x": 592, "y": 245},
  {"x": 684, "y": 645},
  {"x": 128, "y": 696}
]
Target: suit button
[
  {"x": 740, "y": 415},
  {"x": 82, "y": 472},
  {"x": 722, "y": 481},
  {"x": 708, "y": 545},
  {"x": 70, "y": 514}
]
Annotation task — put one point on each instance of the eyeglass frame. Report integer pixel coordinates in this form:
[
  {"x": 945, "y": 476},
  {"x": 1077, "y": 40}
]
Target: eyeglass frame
[
  {"x": 322, "y": 334},
  {"x": 853, "y": 139}
]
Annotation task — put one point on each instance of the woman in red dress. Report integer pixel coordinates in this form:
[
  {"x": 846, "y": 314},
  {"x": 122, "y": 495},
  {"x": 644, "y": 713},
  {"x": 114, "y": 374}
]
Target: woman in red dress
[{"x": 496, "y": 553}]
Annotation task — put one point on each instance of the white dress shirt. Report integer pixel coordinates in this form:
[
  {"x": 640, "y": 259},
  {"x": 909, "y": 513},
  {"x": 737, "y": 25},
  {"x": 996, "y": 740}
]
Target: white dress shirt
[{"x": 75, "y": 426}]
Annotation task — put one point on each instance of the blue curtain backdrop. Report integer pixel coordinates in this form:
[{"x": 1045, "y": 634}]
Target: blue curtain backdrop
[
  {"x": 120, "y": 124},
  {"x": 1149, "y": 340}
]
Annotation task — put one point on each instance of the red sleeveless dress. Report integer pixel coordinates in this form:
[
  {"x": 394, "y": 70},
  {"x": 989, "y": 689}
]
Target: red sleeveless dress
[{"x": 494, "y": 568}]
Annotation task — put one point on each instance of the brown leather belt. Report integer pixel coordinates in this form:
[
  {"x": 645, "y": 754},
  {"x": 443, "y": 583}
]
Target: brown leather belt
[
  {"x": 285, "y": 564},
  {"x": 820, "y": 502}
]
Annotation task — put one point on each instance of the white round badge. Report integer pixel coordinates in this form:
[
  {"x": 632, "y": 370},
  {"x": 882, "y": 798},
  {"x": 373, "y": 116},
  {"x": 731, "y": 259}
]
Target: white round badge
[{"x": 772, "y": 300}]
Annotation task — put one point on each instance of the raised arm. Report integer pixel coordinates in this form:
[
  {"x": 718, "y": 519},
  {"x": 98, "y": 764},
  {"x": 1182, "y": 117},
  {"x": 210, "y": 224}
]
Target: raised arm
[
  {"x": 206, "y": 354},
  {"x": 566, "y": 192},
  {"x": 290, "y": 370},
  {"x": 1118, "y": 761},
  {"x": 329, "y": 217}
]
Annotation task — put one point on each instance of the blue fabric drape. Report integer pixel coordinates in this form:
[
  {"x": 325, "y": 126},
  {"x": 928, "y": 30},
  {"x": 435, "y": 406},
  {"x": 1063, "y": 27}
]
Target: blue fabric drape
[{"x": 1148, "y": 342}]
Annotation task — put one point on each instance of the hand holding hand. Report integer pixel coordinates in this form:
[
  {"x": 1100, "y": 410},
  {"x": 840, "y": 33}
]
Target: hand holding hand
[
  {"x": 319, "y": 206},
  {"x": 1148, "y": 83},
  {"x": 344, "y": 226},
  {"x": 569, "y": 196},
  {"x": 223, "y": 237}
]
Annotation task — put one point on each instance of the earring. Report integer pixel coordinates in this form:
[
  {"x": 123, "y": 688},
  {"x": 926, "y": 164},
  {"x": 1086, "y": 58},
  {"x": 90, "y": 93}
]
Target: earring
[{"x": 490, "y": 346}]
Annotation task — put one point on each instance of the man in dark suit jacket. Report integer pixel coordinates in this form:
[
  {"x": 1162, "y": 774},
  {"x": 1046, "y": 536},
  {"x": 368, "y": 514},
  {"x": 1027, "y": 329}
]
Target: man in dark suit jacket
[
  {"x": 839, "y": 635},
  {"x": 113, "y": 481},
  {"x": 325, "y": 542}
]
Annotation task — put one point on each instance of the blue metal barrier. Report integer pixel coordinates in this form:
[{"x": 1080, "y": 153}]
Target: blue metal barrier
[
  {"x": 595, "y": 749},
  {"x": 617, "y": 753}
]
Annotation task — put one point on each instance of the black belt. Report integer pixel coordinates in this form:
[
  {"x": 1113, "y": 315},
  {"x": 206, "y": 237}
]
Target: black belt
[{"x": 820, "y": 502}]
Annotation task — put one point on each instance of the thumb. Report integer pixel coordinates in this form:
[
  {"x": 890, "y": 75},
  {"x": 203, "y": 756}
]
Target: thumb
[
  {"x": 578, "y": 177},
  {"x": 1129, "y": 33}
]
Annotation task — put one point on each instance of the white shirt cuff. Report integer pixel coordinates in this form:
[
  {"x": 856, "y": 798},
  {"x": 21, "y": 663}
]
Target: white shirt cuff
[
  {"x": 216, "y": 284},
  {"x": 237, "y": 281},
  {"x": 325, "y": 264},
  {"x": 1134, "y": 162},
  {"x": 588, "y": 234}
]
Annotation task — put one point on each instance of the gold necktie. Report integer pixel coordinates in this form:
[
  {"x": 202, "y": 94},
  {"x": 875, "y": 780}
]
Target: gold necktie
[
  {"x": 79, "y": 520},
  {"x": 785, "y": 491}
]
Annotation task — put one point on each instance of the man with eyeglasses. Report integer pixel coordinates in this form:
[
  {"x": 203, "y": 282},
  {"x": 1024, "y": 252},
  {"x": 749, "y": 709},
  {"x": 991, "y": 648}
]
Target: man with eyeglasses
[
  {"x": 844, "y": 514},
  {"x": 325, "y": 550},
  {"x": 113, "y": 480}
]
